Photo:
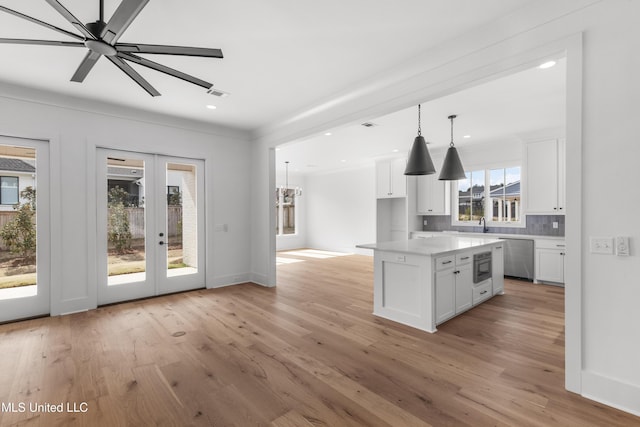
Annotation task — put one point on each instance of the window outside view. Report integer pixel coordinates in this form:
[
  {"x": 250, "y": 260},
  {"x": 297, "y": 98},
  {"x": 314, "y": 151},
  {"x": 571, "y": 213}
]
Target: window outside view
[
  {"x": 17, "y": 222},
  {"x": 285, "y": 211},
  {"x": 505, "y": 201}
]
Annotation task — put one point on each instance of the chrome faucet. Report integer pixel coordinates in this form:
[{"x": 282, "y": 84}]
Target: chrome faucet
[{"x": 483, "y": 222}]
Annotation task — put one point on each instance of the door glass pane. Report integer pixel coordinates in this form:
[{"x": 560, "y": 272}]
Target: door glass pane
[
  {"x": 126, "y": 261},
  {"x": 17, "y": 222},
  {"x": 182, "y": 220}
]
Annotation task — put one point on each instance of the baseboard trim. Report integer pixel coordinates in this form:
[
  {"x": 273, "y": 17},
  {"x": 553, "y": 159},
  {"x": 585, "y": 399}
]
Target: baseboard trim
[
  {"x": 230, "y": 280},
  {"x": 261, "y": 279},
  {"x": 611, "y": 392}
]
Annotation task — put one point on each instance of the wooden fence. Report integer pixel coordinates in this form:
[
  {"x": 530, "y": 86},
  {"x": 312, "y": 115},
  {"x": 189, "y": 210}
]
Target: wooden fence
[
  {"x": 136, "y": 221},
  {"x": 5, "y": 217}
]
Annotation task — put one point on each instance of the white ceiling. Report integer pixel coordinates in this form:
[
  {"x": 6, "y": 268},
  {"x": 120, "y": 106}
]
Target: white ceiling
[
  {"x": 503, "y": 110},
  {"x": 281, "y": 56}
]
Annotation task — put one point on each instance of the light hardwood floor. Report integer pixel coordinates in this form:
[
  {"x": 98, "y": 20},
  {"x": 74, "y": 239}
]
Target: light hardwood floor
[{"x": 307, "y": 353}]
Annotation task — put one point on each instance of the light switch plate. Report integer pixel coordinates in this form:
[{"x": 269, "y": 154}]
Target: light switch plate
[
  {"x": 601, "y": 245},
  {"x": 622, "y": 246},
  {"x": 555, "y": 224}
]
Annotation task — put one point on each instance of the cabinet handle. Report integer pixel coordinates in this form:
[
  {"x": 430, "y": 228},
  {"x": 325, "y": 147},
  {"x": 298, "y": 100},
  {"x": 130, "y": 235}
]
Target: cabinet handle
[
  {"x": 555, "y": 209},
  {"x": 483, "y": 292},
  {"x": 446, "y": 262},
  {"x": 498, "y": 247},
  {"x": 560, "y": 208},
  {"x": 562, "y": 253},
  {"x": 466, "y": 257},
  {"x": 560, "y": 246},
  {"x": 456, "y": 272}
]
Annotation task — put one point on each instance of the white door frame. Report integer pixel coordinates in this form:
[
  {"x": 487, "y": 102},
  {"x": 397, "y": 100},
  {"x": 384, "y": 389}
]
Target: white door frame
[{"x": 156, "y": 280}]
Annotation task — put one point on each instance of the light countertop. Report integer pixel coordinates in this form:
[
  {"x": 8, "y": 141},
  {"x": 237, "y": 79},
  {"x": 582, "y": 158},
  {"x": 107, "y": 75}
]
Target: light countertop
[{"x": 437, "y": 245}]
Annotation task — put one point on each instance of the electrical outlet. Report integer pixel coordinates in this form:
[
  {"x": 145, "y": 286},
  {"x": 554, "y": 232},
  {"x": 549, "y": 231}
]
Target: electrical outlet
[
  {"x": 424, "y": 222},
  {"x": 555, "y": 224},
  {"x": 622, "y": 246},
  {"x": 601, "y": 245}
]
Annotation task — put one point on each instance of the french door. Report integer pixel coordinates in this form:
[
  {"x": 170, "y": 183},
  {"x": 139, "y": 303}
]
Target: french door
[
  {"x": 25, "y": 239},
  {"x": 150, "y": 217}
]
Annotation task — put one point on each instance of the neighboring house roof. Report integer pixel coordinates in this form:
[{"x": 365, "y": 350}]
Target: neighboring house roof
[
  {"x": 512, "y": 189},
  {"x": 15, "y": 165}
]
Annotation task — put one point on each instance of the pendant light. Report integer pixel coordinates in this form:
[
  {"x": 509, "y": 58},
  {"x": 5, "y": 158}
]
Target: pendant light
[
  {"x": 284, "y": 189},
  {"x": 452, "y": 167},
  {"x": 419, "y": 162}
]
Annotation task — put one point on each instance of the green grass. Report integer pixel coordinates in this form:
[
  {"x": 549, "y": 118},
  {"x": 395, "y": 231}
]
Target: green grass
[{"x": 6, "y": 283}]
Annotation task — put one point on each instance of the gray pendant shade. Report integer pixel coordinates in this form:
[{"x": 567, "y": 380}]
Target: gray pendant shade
[
  {"x": 419, "y": 162},
  {"x": 452, "y": 169}
]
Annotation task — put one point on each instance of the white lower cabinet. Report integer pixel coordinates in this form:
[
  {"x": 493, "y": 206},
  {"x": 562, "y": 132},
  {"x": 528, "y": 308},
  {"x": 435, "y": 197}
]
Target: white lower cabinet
[
  {"x": 549, "y": 261},
  {"x": 497, "y": 269},
  {"x": 454, "y": 285},
  {"x": 445, "y": 295}
]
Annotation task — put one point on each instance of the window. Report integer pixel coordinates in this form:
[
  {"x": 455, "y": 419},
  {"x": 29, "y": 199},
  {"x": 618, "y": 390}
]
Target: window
[
  {"x": 174, "y": 197},
  {"x": 9, "y": 190},
  {"x": 505, "y": 195},
  {"x": 471, "y": 197},
  {"x": 504, "y": 202},
  {"x": 285, "y": 211}
]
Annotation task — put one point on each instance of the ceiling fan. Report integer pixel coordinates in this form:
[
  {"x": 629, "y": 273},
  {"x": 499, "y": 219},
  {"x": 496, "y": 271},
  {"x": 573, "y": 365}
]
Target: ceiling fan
[{"x": 101, "y": 38}]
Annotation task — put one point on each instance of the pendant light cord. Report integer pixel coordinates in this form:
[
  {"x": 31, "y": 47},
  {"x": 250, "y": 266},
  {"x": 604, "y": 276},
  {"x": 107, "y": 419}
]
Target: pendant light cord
[
  {"x": 419, "y": 122},
  {"x": 287, "y": 177},
  {"x": 451, "y": 118},
  {"x": 101, "y": 10}
]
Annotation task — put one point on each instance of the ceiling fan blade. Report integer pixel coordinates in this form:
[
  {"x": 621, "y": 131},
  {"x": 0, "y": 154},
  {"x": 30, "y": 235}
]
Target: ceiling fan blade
[
  {"x": 39, "y": 22},
  {"x": 121, "y": 19},
  {"x": 85, "y": 66},
  {"x": 134, "y": 75},
  {"x": 169, "y": 50},
  {"x": 72, "y": 19},
  {"x": 42, "y": 42},
  {"x": 164, "y": 69}
]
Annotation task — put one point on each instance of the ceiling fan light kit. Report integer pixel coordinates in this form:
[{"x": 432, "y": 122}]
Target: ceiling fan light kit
[{"x": 101, "y": 38}]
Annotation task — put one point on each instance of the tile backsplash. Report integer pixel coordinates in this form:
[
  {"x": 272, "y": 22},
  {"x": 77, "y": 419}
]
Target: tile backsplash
[{"x": 537, "y": 225}]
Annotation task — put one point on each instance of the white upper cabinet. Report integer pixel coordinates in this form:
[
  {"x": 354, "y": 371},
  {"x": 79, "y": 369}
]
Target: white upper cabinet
[
  {"x": 433, "y": 195},
  {"x": 390, "y": 178},
  {"x": 546, "y": 177}
]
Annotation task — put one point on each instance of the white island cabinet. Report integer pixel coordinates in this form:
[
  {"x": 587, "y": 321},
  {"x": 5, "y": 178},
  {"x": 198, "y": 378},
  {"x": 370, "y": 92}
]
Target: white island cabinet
[{"x": 424, "y": 282}]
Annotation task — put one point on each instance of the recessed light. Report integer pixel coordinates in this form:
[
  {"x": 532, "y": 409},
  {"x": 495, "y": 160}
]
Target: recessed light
[
  {"x": 467, "y": 136},
  {"x": 395, "y": 150},
  {"x": 278, "y": 149},
  {"x": 211, "y": 107},
  {"x": 547, "y": 64},
  {"x": 343, "y": 161},
  {"x": 327, "y": 134}
]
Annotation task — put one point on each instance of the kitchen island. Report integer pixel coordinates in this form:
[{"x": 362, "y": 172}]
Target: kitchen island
[{"x": 424, "y": 282}]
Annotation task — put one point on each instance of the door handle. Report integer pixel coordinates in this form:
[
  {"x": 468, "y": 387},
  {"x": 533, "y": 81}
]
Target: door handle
[
  {"x": 161, "y": 242},
  {"x": 161, "y": 234}
]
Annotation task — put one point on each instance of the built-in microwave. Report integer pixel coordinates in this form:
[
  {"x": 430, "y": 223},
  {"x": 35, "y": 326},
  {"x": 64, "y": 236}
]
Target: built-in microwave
[{"x": 481, "y": 267}]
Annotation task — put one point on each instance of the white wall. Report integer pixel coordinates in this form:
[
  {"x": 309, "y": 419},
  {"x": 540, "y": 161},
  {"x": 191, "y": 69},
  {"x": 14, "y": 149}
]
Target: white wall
[
  {"x": 76, "y": 133},
  {"x": 341, "y": 210},
  {"x": 602, "y": 345}
]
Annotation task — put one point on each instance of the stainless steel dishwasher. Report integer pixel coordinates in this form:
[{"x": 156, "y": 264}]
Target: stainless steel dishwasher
[{"x": 518, "y": 258}]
